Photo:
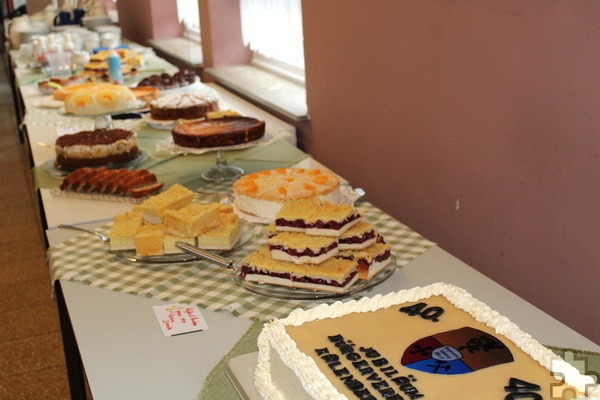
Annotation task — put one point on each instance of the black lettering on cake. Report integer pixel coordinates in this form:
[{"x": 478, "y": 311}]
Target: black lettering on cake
[
  {"x": 324, "y": 350},
  {"x": 380, "y": 385},
  {"x": 336, "y": 338},
  {"x": 330, "y": 358},
  {"x": 429, "y": 313},
  {"x": 405, "y": 385},
  {"x": 366, "y": 367},
  {"x": 363, "y": 367},
  {"x": 520, "y": 389},
  {"x": 374, "y": 377},
  {"x": 341, "y": 372},
  {"x": 380, "y": 362},
  {"x": 389, "y": 371},
  {"x": 370, "y": 352}
]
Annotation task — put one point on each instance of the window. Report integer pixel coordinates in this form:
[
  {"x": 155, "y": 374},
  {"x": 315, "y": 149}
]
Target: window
[
  {"x": 187, "y": 12},
  {"x": 273, "y": 31}
]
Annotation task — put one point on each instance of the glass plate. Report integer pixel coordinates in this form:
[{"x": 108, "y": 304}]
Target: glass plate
[
  {"x": 288, "y": 293},
  {"x": 247, "y": 232},
  {"x": 60, "y": 172}
]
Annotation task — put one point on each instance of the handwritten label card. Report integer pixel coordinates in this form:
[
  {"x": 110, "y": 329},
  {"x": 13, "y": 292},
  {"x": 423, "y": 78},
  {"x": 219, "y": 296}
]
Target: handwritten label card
[
  {"x": 62, "y": 130},
  {"x": 177, "y": 319}
]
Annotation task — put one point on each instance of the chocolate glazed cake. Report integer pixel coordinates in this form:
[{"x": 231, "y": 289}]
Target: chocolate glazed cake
[
  {"x": 226, "y": 131},
  {"x": 97, "y": 147}
]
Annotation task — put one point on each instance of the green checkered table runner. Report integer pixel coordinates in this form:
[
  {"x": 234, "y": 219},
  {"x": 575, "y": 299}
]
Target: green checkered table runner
[{"x": 87, "y": 259}]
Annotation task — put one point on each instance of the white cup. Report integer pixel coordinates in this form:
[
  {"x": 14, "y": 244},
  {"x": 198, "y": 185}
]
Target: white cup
[{"x": 60, "y": 65}]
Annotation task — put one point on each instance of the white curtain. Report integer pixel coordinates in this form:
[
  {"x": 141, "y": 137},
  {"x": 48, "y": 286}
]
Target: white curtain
[
  {"x": 273, "y": 29},
  {"x": 187, "y": 11}
]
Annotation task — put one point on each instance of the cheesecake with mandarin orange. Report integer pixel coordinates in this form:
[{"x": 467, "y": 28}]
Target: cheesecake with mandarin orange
[{"x": 263, "y": 193}]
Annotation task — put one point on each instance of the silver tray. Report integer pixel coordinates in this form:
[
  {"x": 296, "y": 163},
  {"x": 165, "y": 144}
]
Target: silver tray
[
  {"x": 60, "y": 172},
  {"x": 246, "y": 233},
  {"x": 288, "y": 293}
]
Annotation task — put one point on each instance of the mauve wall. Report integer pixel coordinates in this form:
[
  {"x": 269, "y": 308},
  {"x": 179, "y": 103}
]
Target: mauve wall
[
  {"x": 477, "y": 123},
  {"x": 222, "y": 33},
  {"x": 148, "y": 19}
]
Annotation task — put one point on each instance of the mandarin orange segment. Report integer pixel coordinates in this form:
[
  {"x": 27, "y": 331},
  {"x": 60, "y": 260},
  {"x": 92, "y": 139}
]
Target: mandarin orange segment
[
  {"x": 249, "y": 188},
  {"x": 282, "y": 190},
  {"x": 308, "y": 186},
  {"x": 289, "y": 179},
  {"x": 299, "y": 170},
  {"x": 247, "y": 182},
  {"x": 265, "y": 172},
  {"x": 252, "y": 176},
  {"x": 82, "y": 99},
  {"x": 281, "y": 170},
  {"x": 314, "y": 172}
]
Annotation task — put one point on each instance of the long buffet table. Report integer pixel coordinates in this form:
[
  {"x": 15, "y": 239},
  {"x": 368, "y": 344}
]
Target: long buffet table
[{"x": 110, "y": 331}]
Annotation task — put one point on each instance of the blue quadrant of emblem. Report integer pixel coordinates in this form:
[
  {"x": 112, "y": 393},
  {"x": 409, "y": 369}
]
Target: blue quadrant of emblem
[{"x": 433, "y": 366}]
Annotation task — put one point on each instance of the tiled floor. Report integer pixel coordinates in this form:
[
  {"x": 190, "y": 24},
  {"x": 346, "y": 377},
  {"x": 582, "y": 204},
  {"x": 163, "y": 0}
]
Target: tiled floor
[{"x": 32, "y": 364}]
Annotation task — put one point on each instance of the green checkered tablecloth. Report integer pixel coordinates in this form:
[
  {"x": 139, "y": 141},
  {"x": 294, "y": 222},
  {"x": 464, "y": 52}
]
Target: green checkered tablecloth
[{"x": 87, "y": 259}]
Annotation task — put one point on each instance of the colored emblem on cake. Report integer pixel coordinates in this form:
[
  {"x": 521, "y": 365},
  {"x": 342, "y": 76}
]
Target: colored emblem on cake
[{"x": 460, "y": 351}]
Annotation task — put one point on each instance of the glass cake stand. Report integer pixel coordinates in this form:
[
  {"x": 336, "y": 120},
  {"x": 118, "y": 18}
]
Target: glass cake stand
[
  {"x": 103, "y": 121},
  {"x": 221, "y": 171}
]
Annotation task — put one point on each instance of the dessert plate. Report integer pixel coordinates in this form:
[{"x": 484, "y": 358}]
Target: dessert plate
[
  {"x": 288, "y": 293},
  {"x": 48, "y": 102},
  {"x": 60, "y": 172}
]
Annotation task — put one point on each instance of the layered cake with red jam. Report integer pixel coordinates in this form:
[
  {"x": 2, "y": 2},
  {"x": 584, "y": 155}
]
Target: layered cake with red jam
[
  {"x": 262, "y": 194},
  {"x": 301, "y": 248},
  {"x": 97, "y": 147},
  {"x": 334, "y": 275},
  {"x": 358, "y": 237},
  {"x": 316, "y": 217},
  {"x": 190, "y": 105},
  {"x": 435, "y": 342},
  {"x": 225, "y": 131},
  {"x": 371, "y": 259}
]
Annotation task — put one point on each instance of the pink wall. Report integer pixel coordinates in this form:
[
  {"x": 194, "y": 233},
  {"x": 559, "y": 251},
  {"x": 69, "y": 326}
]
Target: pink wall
[
  {"x": 222, "y": 34},
  {"x": 148, "y": 19},
  {"x": 475, "y": 123}
]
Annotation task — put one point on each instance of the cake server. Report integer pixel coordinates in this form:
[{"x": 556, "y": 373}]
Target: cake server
[
  {"x": 104, "y": 238},
  {"x": 207, "y": 255}
]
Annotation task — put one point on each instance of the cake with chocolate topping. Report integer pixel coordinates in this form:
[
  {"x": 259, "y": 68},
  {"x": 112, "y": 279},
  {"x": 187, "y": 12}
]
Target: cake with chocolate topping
[
  {"x": 175, "y": 106},
  {"x": 216, "y": 132},
  {"x": 167, "y": 81},
  {"x": 96, "y": 147}
]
